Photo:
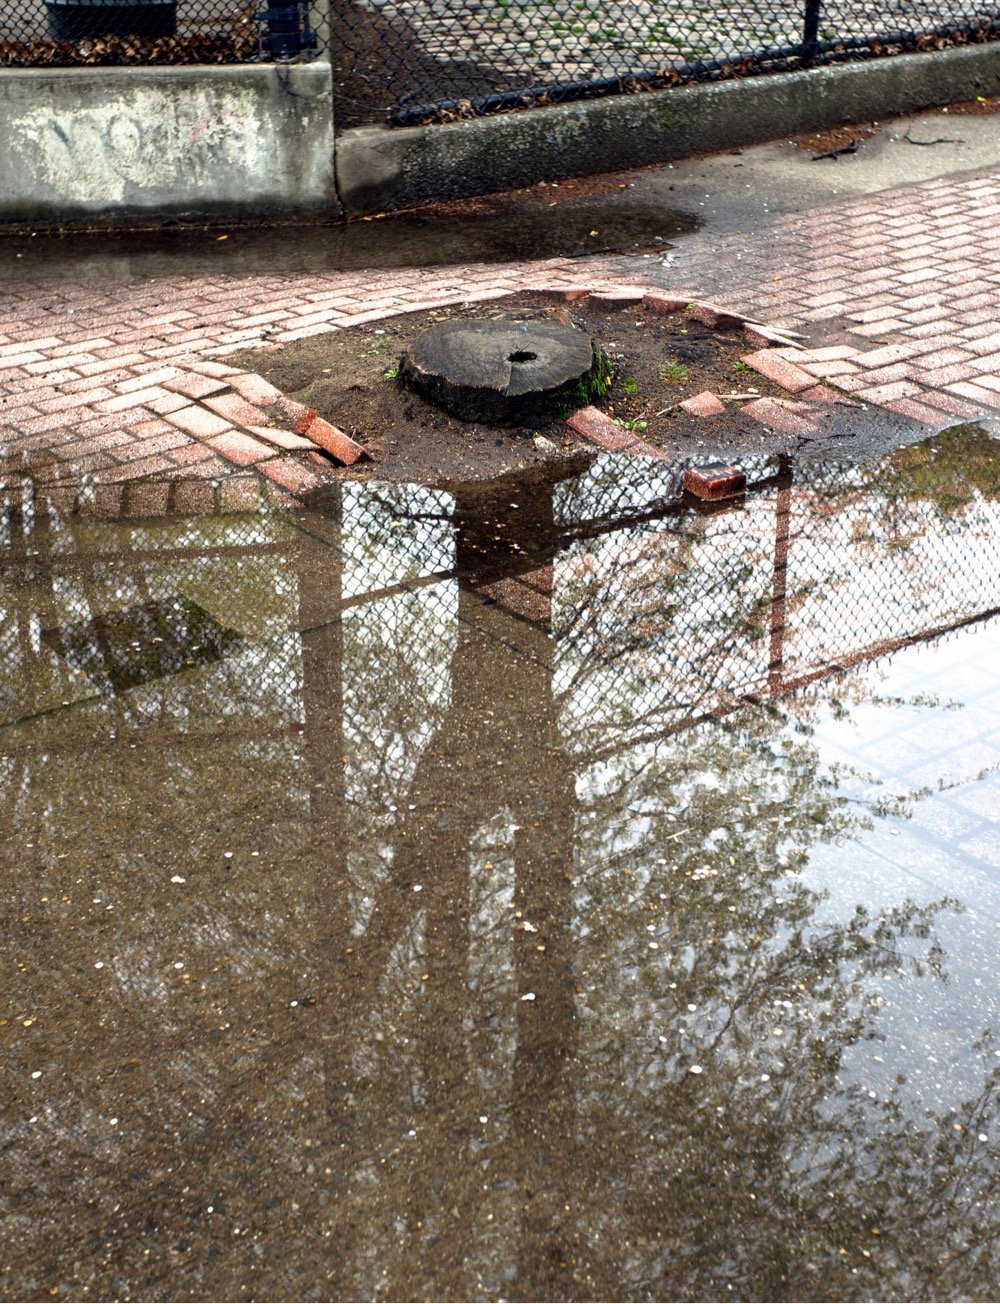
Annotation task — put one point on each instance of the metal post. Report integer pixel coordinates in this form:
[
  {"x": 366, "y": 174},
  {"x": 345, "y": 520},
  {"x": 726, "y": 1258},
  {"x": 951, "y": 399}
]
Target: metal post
[
  {"x": 810, "y": 30},
  {"x": 288, "y": 32}
]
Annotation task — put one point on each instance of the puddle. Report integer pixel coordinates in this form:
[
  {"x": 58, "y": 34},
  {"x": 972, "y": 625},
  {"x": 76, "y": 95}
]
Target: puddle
[
  {"x": 504, "y": 229},
  {"x": 539, "y": 890}
]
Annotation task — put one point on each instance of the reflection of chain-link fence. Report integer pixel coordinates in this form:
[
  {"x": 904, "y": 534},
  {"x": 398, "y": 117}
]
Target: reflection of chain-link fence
[
  {"x": 657, "y": 627},
  {"x": 177, "y": 624},
  {"x": 660, "y": 612}
]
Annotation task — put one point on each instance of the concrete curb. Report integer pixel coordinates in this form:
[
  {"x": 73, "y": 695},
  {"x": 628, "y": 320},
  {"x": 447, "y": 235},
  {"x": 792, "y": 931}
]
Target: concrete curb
[{"x": 383, "y": 168}]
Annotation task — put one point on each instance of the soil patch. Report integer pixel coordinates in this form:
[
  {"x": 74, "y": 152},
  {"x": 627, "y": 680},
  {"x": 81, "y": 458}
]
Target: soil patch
[
  {"x": 836, "y": 138},
  {"x": 351, "y": 378},
  {"x": 977, "y": 108}
]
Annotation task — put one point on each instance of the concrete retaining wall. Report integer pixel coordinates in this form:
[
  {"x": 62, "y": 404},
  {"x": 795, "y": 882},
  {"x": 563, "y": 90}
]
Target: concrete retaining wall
[
  {"x": 126, "y": 144},
  {"x": 382, "y": 168}
]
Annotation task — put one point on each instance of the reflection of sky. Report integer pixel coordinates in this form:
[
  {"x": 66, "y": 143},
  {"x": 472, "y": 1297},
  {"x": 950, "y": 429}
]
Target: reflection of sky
[
  {"x": 926, "y": 731},
  {"x": 396, "y": 662}
]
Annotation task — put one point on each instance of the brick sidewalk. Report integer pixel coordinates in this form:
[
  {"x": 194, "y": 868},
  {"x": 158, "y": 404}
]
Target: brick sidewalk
[
  {"x": 900, "y": 291},
  {"x": 126, "y": 385},
  {"x": 107, "y": 385}
]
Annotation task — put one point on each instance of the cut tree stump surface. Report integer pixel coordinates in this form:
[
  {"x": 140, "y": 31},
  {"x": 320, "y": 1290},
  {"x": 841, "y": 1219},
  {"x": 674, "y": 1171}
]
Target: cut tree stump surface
[{"x": 500, "y": 371}]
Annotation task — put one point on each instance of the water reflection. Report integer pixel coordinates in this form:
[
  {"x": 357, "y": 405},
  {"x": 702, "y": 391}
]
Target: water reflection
[{"x": 550, "y": 890}]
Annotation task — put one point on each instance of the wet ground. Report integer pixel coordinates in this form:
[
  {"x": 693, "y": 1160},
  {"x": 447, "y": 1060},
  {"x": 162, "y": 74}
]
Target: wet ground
[
  {"x": 569, "y": 221},
  {"x": 540, "y": 890}
]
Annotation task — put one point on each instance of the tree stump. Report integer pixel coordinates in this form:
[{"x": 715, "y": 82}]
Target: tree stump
[{"x": 505, "y": 372}]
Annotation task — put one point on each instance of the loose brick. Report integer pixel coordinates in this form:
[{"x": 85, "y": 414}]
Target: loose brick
[
  {"x": 600, "y": 430},
  {"x": 335, "y": 442},
  {"x": 298, "y": 412},
  {"x": 705, "y": 404},
  {"x": 714, "y": 480},
  {"x": 784, "y": 373}
]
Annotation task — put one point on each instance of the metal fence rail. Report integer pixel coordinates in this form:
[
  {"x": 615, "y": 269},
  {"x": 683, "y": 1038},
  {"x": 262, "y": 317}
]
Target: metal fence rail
[{"x": 426, "y": 60}]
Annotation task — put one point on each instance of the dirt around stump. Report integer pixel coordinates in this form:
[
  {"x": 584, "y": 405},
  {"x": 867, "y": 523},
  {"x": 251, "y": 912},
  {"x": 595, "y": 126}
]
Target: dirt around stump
[{"x": 351, "y": 377}]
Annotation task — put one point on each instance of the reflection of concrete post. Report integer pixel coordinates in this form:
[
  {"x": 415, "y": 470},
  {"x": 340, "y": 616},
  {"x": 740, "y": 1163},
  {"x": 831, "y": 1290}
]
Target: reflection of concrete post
[
  {"x": 515, "y": 574},
  {"x": 498, "y": 748},
  {"x": 779, "y": 586}
]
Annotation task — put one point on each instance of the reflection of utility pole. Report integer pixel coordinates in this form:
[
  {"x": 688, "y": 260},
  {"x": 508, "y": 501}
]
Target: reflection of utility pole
[
  {"x": 779, "y": 586},
  {"x": 319, "y": 571}
]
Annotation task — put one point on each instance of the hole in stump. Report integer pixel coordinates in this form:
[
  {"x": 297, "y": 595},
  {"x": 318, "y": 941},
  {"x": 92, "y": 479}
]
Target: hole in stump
[{"x": 521, "y": 355}]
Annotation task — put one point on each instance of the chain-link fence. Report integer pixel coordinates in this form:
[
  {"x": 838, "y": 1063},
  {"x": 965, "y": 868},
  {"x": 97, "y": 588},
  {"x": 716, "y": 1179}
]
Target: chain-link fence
[
  {"x": 425, "y": 60},
  {"x": 65, "y": 33},
  {"x": 435, "y": 60}
]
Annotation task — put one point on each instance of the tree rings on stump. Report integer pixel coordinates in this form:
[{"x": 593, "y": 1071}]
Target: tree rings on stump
[{"x": 505, "y": 372}]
